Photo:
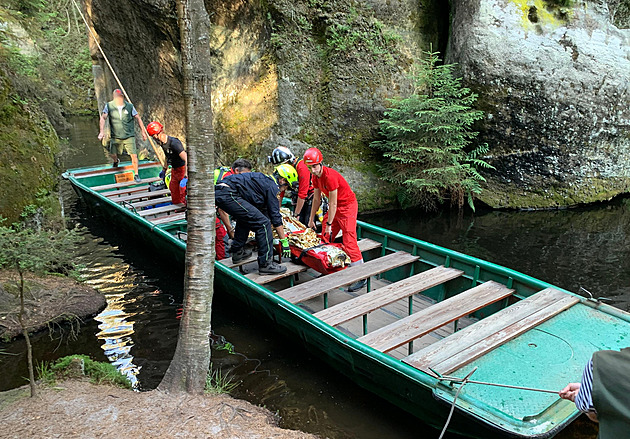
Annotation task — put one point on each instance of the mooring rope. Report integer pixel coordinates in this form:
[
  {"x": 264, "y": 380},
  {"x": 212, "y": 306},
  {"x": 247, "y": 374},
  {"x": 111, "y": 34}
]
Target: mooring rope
[
  {"x": 158, "y": 151},
  {"x": 467, "y": 380}
]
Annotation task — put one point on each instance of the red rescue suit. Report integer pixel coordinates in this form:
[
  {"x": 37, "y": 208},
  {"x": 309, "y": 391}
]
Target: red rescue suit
[
  {"x": 347, "y": 210},
  {"x": 220, "y": 231}
]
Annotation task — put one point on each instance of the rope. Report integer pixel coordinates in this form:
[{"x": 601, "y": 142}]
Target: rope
[
  {"x": 467, "y": 380},
  {"x": 158, "y": 152},
  {"x": 450, "y": 413}
]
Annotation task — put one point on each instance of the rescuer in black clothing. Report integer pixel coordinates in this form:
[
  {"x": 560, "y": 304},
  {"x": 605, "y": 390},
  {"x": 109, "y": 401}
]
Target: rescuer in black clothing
[{"x": 252, "y": 200}]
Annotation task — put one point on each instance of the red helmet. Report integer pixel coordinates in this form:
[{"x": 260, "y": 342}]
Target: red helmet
[
  {"x": 154, "y": 128},
  {"x": 313, "y": 156}
]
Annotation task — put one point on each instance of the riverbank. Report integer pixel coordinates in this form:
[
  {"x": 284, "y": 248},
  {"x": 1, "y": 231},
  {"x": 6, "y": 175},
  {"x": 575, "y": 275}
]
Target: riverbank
[
  {"x": 79, "y": 409},
  {"x": 50, "y": 300}
]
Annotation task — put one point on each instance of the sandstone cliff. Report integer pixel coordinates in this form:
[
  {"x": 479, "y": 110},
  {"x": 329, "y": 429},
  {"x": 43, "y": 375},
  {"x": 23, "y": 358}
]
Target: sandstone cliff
[{"x": 553, "y": 79}]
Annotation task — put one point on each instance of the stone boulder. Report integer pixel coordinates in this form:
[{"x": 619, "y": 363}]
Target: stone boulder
[{"x": 555, "y": 83}]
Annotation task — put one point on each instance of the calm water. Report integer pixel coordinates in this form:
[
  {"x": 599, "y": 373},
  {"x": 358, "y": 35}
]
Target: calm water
[{"x": 137, "y": 331}]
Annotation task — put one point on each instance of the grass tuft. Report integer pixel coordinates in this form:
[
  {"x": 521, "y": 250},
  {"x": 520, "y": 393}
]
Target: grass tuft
[{"x": 218, "y": 383}]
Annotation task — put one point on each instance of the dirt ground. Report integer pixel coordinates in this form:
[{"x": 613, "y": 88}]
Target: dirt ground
[
  {"x": 49, "y": 299},
  {"x": 79, "y": 409}
]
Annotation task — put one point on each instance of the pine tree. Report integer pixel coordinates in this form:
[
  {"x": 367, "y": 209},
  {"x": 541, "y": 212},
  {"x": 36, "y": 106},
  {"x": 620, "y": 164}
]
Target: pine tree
[{"x": 427, "y": 139}]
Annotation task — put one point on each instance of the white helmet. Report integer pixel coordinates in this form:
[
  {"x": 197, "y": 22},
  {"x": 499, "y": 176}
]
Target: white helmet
[{"x": 281, "y": 155}]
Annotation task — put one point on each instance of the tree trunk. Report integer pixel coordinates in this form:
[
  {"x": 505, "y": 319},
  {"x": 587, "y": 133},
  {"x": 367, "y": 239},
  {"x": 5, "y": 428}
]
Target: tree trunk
[
  {"x": 189, "y": 367},
  {"x": 29, "y": 347}
]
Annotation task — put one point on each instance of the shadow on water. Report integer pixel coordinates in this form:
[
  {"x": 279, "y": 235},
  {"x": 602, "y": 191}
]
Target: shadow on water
[{"x": 138, "y": 330}]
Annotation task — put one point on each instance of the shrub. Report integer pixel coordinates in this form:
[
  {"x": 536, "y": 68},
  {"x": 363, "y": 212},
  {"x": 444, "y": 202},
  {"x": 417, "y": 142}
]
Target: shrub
[{"x": 427, "y": 139}]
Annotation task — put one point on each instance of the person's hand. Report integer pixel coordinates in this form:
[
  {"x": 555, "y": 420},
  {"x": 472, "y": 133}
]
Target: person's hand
[
  {"x": 311, "y": 223},
  {"x": 570, "y": 391},
  {"x": 184, "y": 182},
  {"x": 101, "y": 135},
  {"x": 286, "y": 250},
  {"x": 144, "y": 136},
  {"x": 328, "y": 232},
  {"x": 231, "y": 233},
  {"x": 162, "y": 174}
]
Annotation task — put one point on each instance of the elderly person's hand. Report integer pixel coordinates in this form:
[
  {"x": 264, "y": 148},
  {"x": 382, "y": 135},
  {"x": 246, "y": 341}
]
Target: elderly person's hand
[{"x": 570, "y": 391}]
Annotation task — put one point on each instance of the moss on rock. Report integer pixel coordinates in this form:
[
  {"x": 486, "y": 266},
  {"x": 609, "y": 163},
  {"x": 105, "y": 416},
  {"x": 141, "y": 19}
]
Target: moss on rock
[{"x": 29, "y": 144}]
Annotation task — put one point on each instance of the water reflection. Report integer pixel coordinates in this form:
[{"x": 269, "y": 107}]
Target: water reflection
[{"x": 570, "y": 248}]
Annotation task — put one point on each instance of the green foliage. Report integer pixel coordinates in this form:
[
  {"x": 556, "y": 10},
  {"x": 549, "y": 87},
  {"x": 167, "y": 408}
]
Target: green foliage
[
  {"x": 58, "y": 77},
  {"x": 217, "y": 382},
  {"x": 29, "y": 251},
  {"x": 98, "y": 372},
  {"x": 427, "y": 139}
]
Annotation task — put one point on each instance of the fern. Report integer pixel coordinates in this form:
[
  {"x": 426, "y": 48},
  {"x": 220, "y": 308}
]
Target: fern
[{"x": 427, "y": 139}]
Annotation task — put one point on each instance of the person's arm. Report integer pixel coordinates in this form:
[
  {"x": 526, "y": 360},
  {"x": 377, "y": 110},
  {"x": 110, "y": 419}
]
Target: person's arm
[
  {"x": 332, "y": 210},
  {"x": 317, "y": 201},
  {"x": 101, "y": 123},
  {"x": 304, "y": 185},
  {"x": 582, "y": 393},
  {"x": 225, "y": 218},
  {"x": 184, "y": 157},
  {"x": 141, "y": 125},
  {"x": 299, "y": 206}
]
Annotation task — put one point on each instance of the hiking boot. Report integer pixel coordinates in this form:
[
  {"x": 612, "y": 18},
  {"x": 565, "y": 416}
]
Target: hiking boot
[
  {"x": 241, "y": 254},
  {"x": 137, "y": 178},
  {"x": 357, "y": 286},
  {"x": 272, "y": 268},
  {"x": 115, "y": 164}
]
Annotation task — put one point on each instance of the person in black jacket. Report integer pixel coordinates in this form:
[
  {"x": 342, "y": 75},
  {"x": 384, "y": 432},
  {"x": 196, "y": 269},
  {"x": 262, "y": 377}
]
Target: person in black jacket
[{"x": 252, "y": 200}]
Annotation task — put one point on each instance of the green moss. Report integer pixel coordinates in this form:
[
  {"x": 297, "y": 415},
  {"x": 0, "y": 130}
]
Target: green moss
[
  {"x": 29, "y": 145},
  {"x": 553, "y": 196},
  {"x": 98, "y": 372}
]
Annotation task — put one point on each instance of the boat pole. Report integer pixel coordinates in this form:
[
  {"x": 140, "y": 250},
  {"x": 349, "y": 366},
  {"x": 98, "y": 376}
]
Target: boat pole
[{"x": 158, "y": 151}]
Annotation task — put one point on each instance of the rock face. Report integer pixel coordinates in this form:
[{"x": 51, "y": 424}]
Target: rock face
[
  {"x": 296, "y": 73},
  {"x": 555, "y": 82}
]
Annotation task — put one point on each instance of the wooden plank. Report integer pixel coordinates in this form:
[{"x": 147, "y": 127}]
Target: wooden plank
[
  {"x": 141, "y": 195},
  {"x": 165, "y": 209},
  {"x": 168, "y": 218},
  {"x": 391, "y": 293},
  {"x": 126, "y": 191},
  {"x": 308, "y": 290},
  {"x": 125, "y": 184},
  {"x": 265, "y": 279},
  {"x": 454, "y": 344},
  {"x": 112, "y": 170},
  {"x": 495, "y": 340},
  {"x": 151, "y": 202},
  {"x": 428, "y": 320},
  {"x": 364, "y": 245}
]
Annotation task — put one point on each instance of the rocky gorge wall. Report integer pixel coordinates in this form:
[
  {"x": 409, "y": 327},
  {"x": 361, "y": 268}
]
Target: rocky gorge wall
[
  {"x": 555, "y": 83},
  {"x": 552, "y": 78}
]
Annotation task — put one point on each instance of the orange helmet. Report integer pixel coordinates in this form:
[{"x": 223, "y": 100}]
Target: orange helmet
[
  {"x": 313, "y": 156},
  {"x": 154, "y": 128}
]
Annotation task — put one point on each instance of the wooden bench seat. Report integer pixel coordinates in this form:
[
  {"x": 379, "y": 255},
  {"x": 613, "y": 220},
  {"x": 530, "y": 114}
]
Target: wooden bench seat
[
  {"x": 265, "y": 279},
  {"x": 164, "y": 209},
  {"x": 140, "y": 195},
  {"x": 428, "y": 320},
  {"x": 386, "y": 295},
  {"x": 125, "y": 184},
  {"x": 309, "y": 290},
  {"x": 126, "y": 191},
  {"x": 364, "y": 245},
  {"x": 152, "y": 202},
  {"x": 459, "y": 349},
  {"x": 168, "y": 218},
  {"x": 112, "y": 170}
]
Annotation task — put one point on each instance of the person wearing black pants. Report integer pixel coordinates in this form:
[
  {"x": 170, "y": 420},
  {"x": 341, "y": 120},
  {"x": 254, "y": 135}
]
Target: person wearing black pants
[{"x": 251, "y": 199}]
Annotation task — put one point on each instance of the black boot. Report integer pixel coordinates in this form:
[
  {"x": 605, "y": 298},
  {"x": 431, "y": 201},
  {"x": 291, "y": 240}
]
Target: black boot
[
  {"x": 241, "y": 254},
  {"x": 357, "y": 286},
  {"x": 272, "y": 268}
]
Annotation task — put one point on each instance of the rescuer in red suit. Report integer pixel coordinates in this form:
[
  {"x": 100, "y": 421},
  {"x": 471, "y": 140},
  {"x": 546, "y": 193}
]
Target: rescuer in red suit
[{"x": 343, "y": 208}]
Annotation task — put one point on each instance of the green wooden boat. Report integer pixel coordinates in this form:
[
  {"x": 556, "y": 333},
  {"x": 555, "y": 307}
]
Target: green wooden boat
[{"x": 426, "y": 310}]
